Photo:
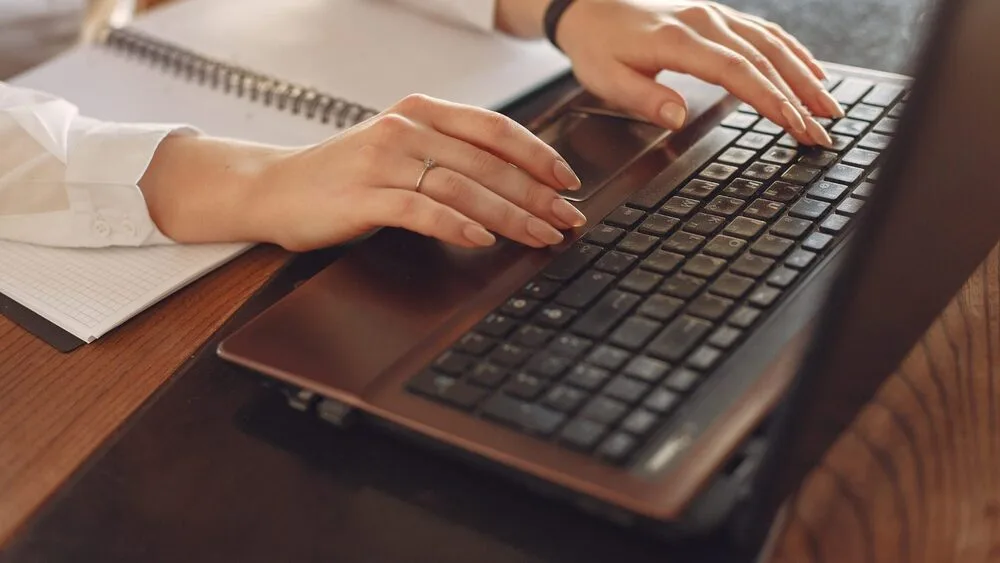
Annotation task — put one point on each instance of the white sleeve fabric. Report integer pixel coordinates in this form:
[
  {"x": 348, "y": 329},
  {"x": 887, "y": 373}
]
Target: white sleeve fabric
[
  {"x": 72, "y": 181},
  {"x": 478, "y": 14}
]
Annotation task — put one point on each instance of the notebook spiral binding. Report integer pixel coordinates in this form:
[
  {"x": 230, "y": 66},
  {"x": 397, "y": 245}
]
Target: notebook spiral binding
[{"x": 232, "y": 79}]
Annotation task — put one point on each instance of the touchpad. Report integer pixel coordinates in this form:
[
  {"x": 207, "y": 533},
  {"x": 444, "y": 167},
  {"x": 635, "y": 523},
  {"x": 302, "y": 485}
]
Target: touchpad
[{"x": 598, "y": 146}]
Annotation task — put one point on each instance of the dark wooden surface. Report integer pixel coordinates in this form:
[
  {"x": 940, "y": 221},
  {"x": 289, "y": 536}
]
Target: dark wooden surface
[{"x": 215, "y": 468}]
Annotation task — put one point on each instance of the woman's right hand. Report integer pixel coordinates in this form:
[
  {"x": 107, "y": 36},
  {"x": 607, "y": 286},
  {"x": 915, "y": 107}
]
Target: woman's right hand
[{"x": 490, "y": 174}]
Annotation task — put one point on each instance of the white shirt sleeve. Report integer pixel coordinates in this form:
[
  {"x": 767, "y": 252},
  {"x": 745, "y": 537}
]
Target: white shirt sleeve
[
  {"x": 67, "y": 180},
  {"x": 479, "y": 14}
]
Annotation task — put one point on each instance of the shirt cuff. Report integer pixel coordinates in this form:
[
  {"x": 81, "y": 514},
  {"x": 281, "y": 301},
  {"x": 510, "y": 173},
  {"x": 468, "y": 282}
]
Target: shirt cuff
[{"x": 105, "y": 165}]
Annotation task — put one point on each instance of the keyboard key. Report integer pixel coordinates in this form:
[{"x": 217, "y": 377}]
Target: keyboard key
[
  {"x": 752, "y": 265},
  {"x": 509, "y": 355},
  {"x": 679, "y": 337},
  {"x": 475, "y": 344},
  {"x": 875, "y": 141},
  {"x": 787, "y": 140},
  {"x": 660, "y": 307},
  {"x": 634, "y": 332},
  {"x": 725, "y": 337},
  {"x": 724, "y": 205},
  {"x": 684, "y": 243},
  {"x": 850, "y": 127},
  {"x": 747, "y": 108},
  {"x": 658, "y": 225},
  {"x": 531, "y": 336},
  {"x": 703, "y": 224},
  {"x": 744, "y": 317},
  {"x": 533, "y": 418},
  {"x": 744, "y": 227},
  {"x": 769, "y": 127},
  {"x": 704, "y": 358},
  {"x": 625, "y": 217},
  {"x": 681, "y": 285},
  {"x": 851, "y": 90},
  {"x": 817, "y": 241},
  {"x": 618, "y": 446},
  {"x": 647, "y": 369},
  {"x": 637, "y": 243},
  {"x": 827, "y": 191},
  {"x": 571, "y": 262},
  {"x": 540, "y": 289},
  {"x": 569, "y": 346},
  {"x": 742, "y": 188},
  {"x": 764, "y": 296},
  {"x": 738, "y": 120},
  {"x": 782, "y": 277},
  {"x": 809, "y": 208},
  {"x": 496, "y": 325},
  {"x": 725, "y": 246},
  {"x": 887, "y": 126},
  {"x": 698, "y": 188},
  {"x": 844, "y": 174},
  {"x": 850, "y": 206},
  {"x": 782, "y": 192},
  {"x": 582, "y": 434},
  {"x": 431, "y": 383},
  {"x": 736, "y": 155},
  {"x": 662, "y": 262},
  {"x": 683, "y": 380},
  {"x": 834, "y": 223},
  {"x": 604, "y": 410},
  {"x": 565, "y": 398},
  {"x": 864, "y": 190},
  {"x": 612, "y": 308},
  {"x": 732, "y": 286},
  {"x": 519, "y": 307},
  {"x": 897, "y": 110},
  {"x": 771, "y": 246},
  {"x": 718, "y": 172},
  {"x": 704, "y": 266},
  {"x": 800, "y": 259},
  {"x": 661, "y": 400},
  {"x": 761, "y": 171},
  {"x": 710, "y": 307},
  {"x": 525, "y": 386},
  {"x": 865, "y": 112},
  {"x": 883, "y": 94},
  {"x": 763, "y": 209},
  {"x": 840, "y": 142},
  {"x": 818, "y": 158},
  {"x": 546, "y": 364},
  {"x": 754, "y": 140},
  {"x": 488, "y": 375},
  {"x": 640, "y": 422},
  {"x": 799, "y": 174},
  {"x": 604, "y": 235},
  {"x": 585, "y": 289},
  {"x": 640, "y": 281},
  {"x": 779, "y": 155},
  {"x": 608, "y": 357},
  {"x": 861, "y": 157},
  {"x": 626, "y": 389},
  {"x": 678, "y": 206},
  {"x": 588, "y": 377},
  {"x": 615, "y": 262},
  {"x": 791, "y": 227},
  {"x": 554, "y": 316}
]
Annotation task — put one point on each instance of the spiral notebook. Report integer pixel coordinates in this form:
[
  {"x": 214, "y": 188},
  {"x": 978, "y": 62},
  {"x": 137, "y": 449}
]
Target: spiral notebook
[{"x": 291, "y": 73}]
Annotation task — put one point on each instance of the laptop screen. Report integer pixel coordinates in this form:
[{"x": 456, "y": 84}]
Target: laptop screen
[{"x": 934, "y": 217}]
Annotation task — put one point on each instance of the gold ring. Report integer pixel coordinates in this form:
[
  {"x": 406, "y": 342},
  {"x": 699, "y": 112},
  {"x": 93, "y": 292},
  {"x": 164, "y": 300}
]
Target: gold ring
[{"x": 428, "y": 164}]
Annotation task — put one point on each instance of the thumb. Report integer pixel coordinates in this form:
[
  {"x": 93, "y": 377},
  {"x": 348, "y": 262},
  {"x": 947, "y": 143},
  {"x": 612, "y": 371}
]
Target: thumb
[{"x": 641, "y": 95}]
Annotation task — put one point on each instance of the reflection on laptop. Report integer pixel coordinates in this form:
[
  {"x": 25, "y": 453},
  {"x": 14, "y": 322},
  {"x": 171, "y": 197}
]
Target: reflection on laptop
[{"x": 640, "y": 371}]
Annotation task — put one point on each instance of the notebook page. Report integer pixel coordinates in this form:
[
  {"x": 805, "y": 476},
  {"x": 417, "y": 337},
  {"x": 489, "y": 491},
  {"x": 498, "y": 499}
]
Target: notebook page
[{"x": 371, "y": 52}]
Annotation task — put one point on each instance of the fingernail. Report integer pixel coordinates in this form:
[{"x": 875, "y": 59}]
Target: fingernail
[
  {"x": 794, "y": 119},
  {"x": 818, "y": 134},
  {"x": 544, "y": 232},
  {"x": 568, "y": 214},
  {"x": 673, "y": 114},
  {"x": 566, "y": 176},
  {"x": 830, "y": 104},
  {"x": 478, "y": 235}
]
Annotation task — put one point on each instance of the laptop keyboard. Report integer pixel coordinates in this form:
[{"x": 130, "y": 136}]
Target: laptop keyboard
[{"x": 599, "y": 349}]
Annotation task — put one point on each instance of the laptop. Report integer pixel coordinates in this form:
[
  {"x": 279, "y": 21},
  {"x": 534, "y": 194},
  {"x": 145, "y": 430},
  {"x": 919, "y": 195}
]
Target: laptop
[{"x": 683, "y": 361}]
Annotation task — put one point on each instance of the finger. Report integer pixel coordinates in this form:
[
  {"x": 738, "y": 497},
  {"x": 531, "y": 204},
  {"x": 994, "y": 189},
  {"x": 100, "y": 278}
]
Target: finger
[
  {"x": 788, "y": 39},
  {"x": 421, "y": 214},
  {"x": 641, "y": 95},
  {"x": 803, "y": 83},
  {"x": 507, "y": 183},
  {"x": 495, "y": 133}
]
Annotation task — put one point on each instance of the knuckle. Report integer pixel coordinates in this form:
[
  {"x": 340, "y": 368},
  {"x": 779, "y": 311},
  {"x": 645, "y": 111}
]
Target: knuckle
[
  {"x": 414, "y": 103},
  {"x": 498, "y": 127},
  {"x": 391, "y": 128},
  {"x": 732, "y": 64},
  {"x": 454, "y": 188},
  {"x": 675, "y": 33},
  {"x": 483, "y": 163},
  {"x": 406, "y": 207},
  {"x": 697, "y": 13}
]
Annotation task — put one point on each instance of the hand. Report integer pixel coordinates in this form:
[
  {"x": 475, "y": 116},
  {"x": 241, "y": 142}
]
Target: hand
[
  {"x": 617, "y": 48},
  {"x": 491, "y": 174}
]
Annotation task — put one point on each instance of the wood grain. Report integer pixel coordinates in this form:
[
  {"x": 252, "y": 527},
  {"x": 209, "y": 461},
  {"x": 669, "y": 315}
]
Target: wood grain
[
  {"x": 56, "y": 409},
  {"x": 917, "y": 476}
]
